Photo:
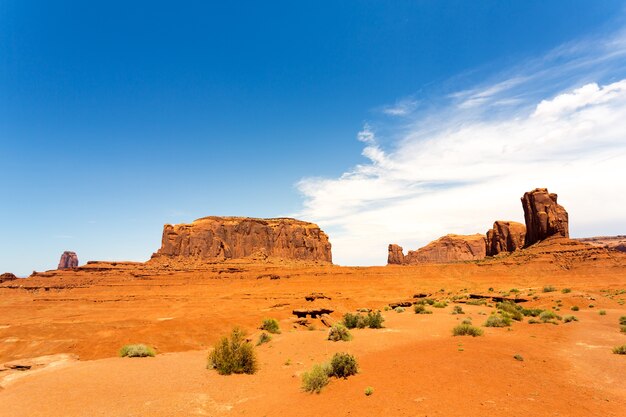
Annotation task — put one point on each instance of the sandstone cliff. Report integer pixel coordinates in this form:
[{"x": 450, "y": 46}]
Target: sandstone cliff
[
  {"x": 544, "y": 216},
  {"x": 449, "y": 248},
  {"x": 395, "y": 255},
  {"x": 7, "y": 276},
  {"x": 505, "y": 236},
  {"x": 221, "y": 238},
  {"x": 68, "y": 260}
]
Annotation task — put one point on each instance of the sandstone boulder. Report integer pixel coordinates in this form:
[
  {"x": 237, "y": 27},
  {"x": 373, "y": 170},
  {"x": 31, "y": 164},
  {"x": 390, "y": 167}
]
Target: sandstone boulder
[
  {"x": 7, "y": 276},
  {"x": 221, "y": 238},
  {"x": 505, "y": 236},
  {"x": 449, "y": 248},
  {"x": 544, "y": 216},
  {"x": 395, "y": 255},
  {"x": 68, "y": 260}
]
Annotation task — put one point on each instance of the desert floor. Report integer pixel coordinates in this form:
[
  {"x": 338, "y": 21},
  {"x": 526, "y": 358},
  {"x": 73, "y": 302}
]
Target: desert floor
[{"x": 69, "y": 326}]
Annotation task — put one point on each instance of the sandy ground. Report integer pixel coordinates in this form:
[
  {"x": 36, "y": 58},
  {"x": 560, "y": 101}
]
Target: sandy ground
[{"x": 415, "y": 366}]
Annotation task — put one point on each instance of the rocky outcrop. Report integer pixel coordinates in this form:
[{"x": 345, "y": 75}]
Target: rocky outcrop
[
  {"x": 395, "y": 255},
  {"x": 544, "y": 216},
  {"x": 449, "y": 248},
  {"x": 7, "y": 276},
  {"x": 68, "y": 260},
  {"x": 617, "y": 243},
  {"x": 505, "y": 236},
  {"x": 221, "y": 238}
]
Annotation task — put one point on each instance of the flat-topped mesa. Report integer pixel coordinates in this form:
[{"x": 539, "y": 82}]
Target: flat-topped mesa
[
  {"x": 221, "y": 238},
  {"x": 544, "y": 216},
  {"x": 505, "y": 236},
  {"x": 449, "y": 248},
  {"x": 68, "y": 260}
]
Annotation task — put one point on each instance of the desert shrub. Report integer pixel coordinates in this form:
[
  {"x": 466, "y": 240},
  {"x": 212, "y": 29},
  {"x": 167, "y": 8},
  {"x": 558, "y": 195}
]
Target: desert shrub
[
  {"x": 602, "y": 312},
  {"x": 467, "y": 320},
  {"x": 430, "y": 301},
  {"x": 591, "y": 306},
  {"x": 518, "y": 358},
  {"x": 363, "y": 310},
  {"x": 316, "y": 378},
  {"x": 263, "y": 338},
  {"x": 399, "y": 309},
  {"x": 490, "y": 289},
  {"x": 440, "y": 304},
  {"x": 567, "y": 319},
  {"x": 512, "y": 309},
  {"x": 136, "y": 351},
  {"x": 548, "y": 316},
  {"x": 233, "y": 355},
  {"x": 270, "y": 325},
  {"x": 620, "y": 350},
  {"x": 533, "y": 321},
  {"x": 477, "y": 302},
  {"x": 622, "y": 320},
  {"x": 421, "y": 309},
  {"x": 575, "y": 308},
  {"x": 339, "y": 332},
  {"x": 533, "y": 312},
  {"x": 497, "y": 321},
  {"x": 342, "y": 365},
  {"x": 623, "y": 329},
  {"x": 514, "y": 290},
  {"x": 369, "y": 391},
  {"x": 549, "y": 288},
  {"x": 374, "y": 320},
  {"x": 457, "y": 310},
  {"x": 351, "y": 321},
  {"x": 386, "y": 308},
  {"x": 466, "y": 330},
  {"x": 566, "y": 290}
]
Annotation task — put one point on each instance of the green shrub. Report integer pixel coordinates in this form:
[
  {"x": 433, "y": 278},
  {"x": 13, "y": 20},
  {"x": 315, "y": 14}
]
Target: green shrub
[
  {"x": 399, "y": 309},
  {"x": 339, "y": 332},
  {"x": 457, "y": 310},
  {"x": 429, "y": 301},
  {"x": 497, "y": 321},
  {"x": 567, "y": 319},
  {"x": 369, "y": 391},
  {"x": 513, "y": 310},
  {"x": 602, "y": 312},
  {"x": 374, "y": 320},
  {"x": 467, "y": 320},
  {"x": 477, "y": 302},
  {"x": 620, "y": 350},
  {"x": 575, "y": 308},
  {"x": 440, "y": 304},
  {"x": 270, "y": 325},
  {"x": 490, "y": 289},
  {"x": 466, "y": 330},
  {"x": 533, "y": 312},
  {"x": 518, "y": 358},
  {"x": 533, "y": 321},
  {"x": 421, "y": 309},
  {"x": 566, "y": 290},
  {"x": 316, "y": 378},
  {"x": 549, "y": 288},
  {"x": 233, "y": 355},
  {"x": 342, "y": 365},
  {"x": 623, "y": 329},
  {"x": 548, "y": 316},
  {"x": 622, "y": 320},
  {"x": 263, "y": 338},
  {"x": 136, "y": 351},
  {"x": 591, "y": 306}
]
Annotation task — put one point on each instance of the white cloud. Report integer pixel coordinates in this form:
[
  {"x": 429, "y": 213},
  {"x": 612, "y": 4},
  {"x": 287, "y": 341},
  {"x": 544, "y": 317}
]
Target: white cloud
[
  {"x": 461, "y": 167},
  {"x": 400, "y": 108}
]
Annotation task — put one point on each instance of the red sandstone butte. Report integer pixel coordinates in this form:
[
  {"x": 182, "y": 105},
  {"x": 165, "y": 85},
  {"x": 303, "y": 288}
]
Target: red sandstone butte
[
  {"x": 544, "y": 216},
  {"x": 68, "y": 260},
  {"x": 505, "y": 236},
  {"x": 449, "y": 248}
]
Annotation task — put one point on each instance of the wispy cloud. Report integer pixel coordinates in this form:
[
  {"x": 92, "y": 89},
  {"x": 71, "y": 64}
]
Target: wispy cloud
[
  {"x": 402, "y": 107},
  {"x": 558, "y": 121}
]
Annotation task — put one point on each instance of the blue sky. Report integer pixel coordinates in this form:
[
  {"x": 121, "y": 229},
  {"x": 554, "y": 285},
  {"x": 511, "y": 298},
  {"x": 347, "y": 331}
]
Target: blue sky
[{"x": 116, "y": 118}]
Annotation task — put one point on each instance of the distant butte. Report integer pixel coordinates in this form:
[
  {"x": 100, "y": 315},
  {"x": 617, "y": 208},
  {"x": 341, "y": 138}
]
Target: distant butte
[{"x": 222, "y": 238}]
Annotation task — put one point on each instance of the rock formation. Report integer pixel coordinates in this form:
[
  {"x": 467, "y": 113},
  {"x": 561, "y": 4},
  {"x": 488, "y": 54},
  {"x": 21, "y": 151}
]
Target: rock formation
[
  {"x": 396, "y": 255},
  {"x": 68, "y": 260},
  {"x": 7, "y": 276},
  {"x": 220, "y": 238},
  {"x": 617, "y": 243},
  {"x": 449, "y": 248},
  {"x": 544, "y": 216},
  {"x": 505, "y": 236}
]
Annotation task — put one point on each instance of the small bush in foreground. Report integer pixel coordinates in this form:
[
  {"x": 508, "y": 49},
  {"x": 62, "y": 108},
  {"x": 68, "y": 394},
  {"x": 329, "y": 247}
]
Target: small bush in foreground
[
  {"x": 549, "y": 288},
  {"x": 549, "y": 316},
  {"x": 467, "y": 320},
  {"x": 233, "y": 355},
  {"x": 566, "y": 290},
  {"x": 622, "y": 320},
  {"x": 342, "y": 365},
  {"x": 339, "y": 332},
  {"x": 518, "y": 358},
  {"x": 457, "y": 310},
  {"x": 421, "y": 309},
  {"x": 315, "y": 379},
  {"x": 533, "y": 312},
  {"x": 567, "y": 319},
  {"x": 513, "y": 310},
  {"x": 270, "y": 325},
  {"x": 620, "y": 350},
  {"x": 440, "y": 304},
  {"x": 136, "y": 351},
  {"x": 374, "y": 320},
  {"x": 498, "y": 321},
  {"x": 369, "y": 391},
  {"x": 602, "y": 312},
  {"x": 263, "y": 338},
  {"x": 575, "y": 308},
  {"x": 352, "y": 321},
  {"x": 399, "y": 309},
  {"x": 466, "y": 330}
]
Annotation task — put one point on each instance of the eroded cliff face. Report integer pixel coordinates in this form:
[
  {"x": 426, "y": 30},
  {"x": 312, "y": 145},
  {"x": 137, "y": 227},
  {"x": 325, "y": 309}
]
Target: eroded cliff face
[
  {"x": 68, "y": 260},
  {"x": 221, "y": 238},
  {"x": 449, "y": 248},
  {"x": 544, "y": 216},
  {"x": 505, "y": 236}
]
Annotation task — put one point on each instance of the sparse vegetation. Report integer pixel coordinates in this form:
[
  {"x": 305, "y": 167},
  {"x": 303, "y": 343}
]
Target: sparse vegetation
[
  {"x": 566, "y": 290},
  {"x": 496, "y": 320},
  {"x": 270, "y": 325},
  {"x": 136, "y": 351},
  {"x": 373, "y": 320},
  {"x": 421, "y": 309},
  {"x": 369, "y": 391},
  {"x": 575, "y": 308},
  {"x": 342, "y": 365},
  {"x": 533, "y": 312},
  {"x": 620, "y": 350},
  {"x": 233, "y": 355},
  {"x": 440, "y": 304},
  {"x": 623, "y": 329},
  {"x": 549, "y": 288},
  {"x": 316, "y": 378},
  {"x": 467, "y": 330},
  {"x": 457, "y": 310},
  {"x": 602, "y": 312},
  {"x": 591, "y": 306},
  {"x": 399, "y": 309},
  {"x": 518, "y": 358},
  {"x": 467, "y": 320},
  {"x": 339, "y": 332},
  {"x": 548, "y": 316},
  {"x": 622, "y": 320},
  {"x": 509, "y": 309},
  {"x": 263, "y": 338},
  {"x": 477, "y": 302},
  {"x": 568, "y": 319}
]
